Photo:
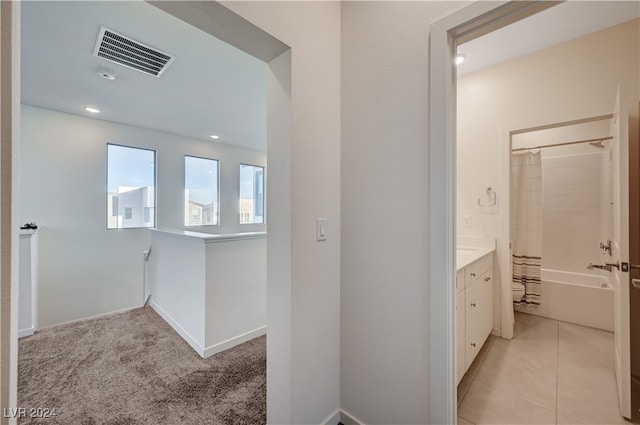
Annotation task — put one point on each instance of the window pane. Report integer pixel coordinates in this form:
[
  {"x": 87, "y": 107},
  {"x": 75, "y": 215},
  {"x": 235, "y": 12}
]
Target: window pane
[
  {"x": 251, "y": 194},
  {"x": 131, "y": 180},
  {"x": 200, "y": 191}
]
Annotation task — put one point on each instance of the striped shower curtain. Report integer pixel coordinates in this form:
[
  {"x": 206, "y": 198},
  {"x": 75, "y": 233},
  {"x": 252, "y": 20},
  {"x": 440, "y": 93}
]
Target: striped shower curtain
[{"x": 526, "y": 226}]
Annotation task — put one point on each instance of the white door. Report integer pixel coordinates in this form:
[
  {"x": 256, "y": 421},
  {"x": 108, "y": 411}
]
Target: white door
[{"x": 620, "y": 156}]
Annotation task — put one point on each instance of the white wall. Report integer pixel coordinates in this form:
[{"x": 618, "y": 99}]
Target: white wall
[
  {"x": 384, "y": 342},
  {"x": 221, "y": 298},
  {"x": 573, "y": 80},
  {"x": 311, "y": 393},
  {"x": 85, "y": 269},
  {"x": 573, "y": 211}
]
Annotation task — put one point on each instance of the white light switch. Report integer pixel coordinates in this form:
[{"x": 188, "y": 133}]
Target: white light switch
[
  {"x": 321, "y": 229},
  {"x": 467, "y": 221}
]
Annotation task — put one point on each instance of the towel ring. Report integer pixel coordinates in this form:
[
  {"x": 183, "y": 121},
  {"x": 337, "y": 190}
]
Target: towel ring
[{"x": 492, "y": 198}]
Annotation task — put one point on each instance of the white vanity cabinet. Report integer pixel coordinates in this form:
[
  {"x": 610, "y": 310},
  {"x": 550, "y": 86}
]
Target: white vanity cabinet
[
  {"x": 474, "y": 310},
  {"x": 460, "y": 325}
]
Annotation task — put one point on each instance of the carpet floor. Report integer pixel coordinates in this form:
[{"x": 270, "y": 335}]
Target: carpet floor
[{"x": 133, "y": 369}]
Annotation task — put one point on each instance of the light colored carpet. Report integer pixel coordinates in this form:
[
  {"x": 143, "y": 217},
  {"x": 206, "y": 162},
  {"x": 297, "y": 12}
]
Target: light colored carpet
[{"x": 132, "y": 368}]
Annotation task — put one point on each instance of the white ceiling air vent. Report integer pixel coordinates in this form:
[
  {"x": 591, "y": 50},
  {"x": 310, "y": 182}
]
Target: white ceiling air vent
[{"x": 122, "y": 50}]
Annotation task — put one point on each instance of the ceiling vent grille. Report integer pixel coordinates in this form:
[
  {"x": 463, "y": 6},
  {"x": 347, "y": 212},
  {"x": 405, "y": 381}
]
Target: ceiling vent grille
[{"x": 122, "y": 50}]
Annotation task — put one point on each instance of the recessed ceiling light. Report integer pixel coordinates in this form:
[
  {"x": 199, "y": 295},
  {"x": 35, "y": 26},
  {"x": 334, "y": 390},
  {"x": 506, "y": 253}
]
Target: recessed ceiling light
[
  {"x": 460, "y": 58},
  {"x": 213, "y": 136},
  {"x": 92, "y": 110}
]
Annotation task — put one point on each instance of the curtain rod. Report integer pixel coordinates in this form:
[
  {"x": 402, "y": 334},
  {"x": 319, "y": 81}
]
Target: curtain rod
[{"x": 599, "y": 139}]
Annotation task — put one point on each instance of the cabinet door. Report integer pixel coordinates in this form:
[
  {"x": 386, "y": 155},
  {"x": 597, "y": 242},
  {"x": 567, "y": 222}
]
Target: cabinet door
[
  {"x": 460, "y": 336},
  {"x": 473, "y": 326},
  {"x": 479, "y": 315},
  {"x": 486, "y": 301}
]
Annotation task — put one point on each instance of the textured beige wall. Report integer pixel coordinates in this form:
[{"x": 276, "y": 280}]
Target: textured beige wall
[{"x": 385, "y": 212}]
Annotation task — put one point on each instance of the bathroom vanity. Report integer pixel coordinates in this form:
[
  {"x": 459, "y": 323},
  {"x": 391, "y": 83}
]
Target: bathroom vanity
[{"x": 474, "y": 303}]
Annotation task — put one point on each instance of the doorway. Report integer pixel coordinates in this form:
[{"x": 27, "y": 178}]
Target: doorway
[
  {"x": 445, "y": 35},
  {"x": 278, "y": 59}
]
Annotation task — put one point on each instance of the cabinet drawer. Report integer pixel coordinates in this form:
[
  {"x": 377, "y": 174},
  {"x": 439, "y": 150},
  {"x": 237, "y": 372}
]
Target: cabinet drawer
[{"x": 476, "y": 269}]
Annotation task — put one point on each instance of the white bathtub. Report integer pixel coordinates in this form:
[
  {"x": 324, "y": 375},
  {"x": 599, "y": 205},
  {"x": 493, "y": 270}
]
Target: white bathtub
[{"x": 579, "y": 298}]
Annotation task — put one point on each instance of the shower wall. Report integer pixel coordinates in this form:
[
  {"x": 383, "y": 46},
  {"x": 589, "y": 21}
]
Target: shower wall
[{"x": 577, "y": 215}]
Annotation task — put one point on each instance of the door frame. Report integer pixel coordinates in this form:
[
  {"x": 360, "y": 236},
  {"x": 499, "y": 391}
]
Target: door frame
[{"x": 468, "y": 23}]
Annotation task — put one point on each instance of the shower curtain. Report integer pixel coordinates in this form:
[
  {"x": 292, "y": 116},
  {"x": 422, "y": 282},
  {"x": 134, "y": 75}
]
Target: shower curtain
[{"x": 526, "y": 226}]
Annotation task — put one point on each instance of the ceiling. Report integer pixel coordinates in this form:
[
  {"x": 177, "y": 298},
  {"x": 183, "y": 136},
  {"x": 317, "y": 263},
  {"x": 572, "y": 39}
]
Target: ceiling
[
  {"x": 212, "y": 87},
  {"x": 560, "y": 23}
]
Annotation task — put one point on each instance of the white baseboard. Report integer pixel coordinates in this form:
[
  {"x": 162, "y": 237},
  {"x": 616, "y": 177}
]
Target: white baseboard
[
  {"x": 348, "y": 419},
  {"x": 332, "y": 419},
  {"x": 212, "y": 349},
  {"x": 179, "y": 329},
  {"x": 236, "y": 340},
  {"x": 341, "y": 416},
  {"x": 26, "y": 332},
  {"x": 96, "y": 316}
]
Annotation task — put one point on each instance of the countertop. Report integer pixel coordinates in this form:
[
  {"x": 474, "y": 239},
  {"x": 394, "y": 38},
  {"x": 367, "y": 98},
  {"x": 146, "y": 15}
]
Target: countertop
[
  {"x": 466, "y": 256},
  {"x": 470, "y": 249},
  {"x": 209, "y": 237}
]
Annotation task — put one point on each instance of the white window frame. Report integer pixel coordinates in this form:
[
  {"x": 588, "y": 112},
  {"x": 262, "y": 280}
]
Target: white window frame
[
  {"x": 114, "y": 198},
  {"x": 187, "y": 210}
]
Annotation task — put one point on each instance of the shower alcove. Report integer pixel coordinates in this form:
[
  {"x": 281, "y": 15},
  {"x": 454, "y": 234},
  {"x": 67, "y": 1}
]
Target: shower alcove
[{"x": 576, "y": 219}]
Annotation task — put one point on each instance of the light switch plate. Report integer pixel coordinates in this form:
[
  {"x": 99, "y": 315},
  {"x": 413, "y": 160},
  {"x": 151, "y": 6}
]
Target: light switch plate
[{"x": 321, "y": 229}]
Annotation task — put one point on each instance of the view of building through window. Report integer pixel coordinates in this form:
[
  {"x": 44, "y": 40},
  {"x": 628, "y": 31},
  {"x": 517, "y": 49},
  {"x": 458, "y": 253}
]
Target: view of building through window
[
  {"x": 131, "y": 180},
  {"x": 201, "y": 191},
  {"x": 251, "y": 194}
]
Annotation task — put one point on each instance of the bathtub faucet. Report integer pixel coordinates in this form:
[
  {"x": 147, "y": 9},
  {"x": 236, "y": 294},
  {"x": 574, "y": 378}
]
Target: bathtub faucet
[
  {"x": 606, "y": 266},
  {"x": 606, "y": 248}
]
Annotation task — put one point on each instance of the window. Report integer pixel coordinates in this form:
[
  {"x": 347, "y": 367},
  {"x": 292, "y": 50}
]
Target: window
[
  {"x": 131, "y": 181},
  {"x": 147, "y": 213},
  {"x": 251, "y": 194},
  {"x": 201, "y": 199}
]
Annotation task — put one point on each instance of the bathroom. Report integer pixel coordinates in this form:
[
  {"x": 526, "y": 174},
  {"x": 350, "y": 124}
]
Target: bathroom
[{"x": 562, "y": 94}]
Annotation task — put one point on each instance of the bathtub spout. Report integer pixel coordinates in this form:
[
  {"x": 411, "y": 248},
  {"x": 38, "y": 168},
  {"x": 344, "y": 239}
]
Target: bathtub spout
[{"x": 609, "y": 266}]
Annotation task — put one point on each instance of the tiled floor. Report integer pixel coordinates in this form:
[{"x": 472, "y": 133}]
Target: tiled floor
[{"x": 550, "y": 373}]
